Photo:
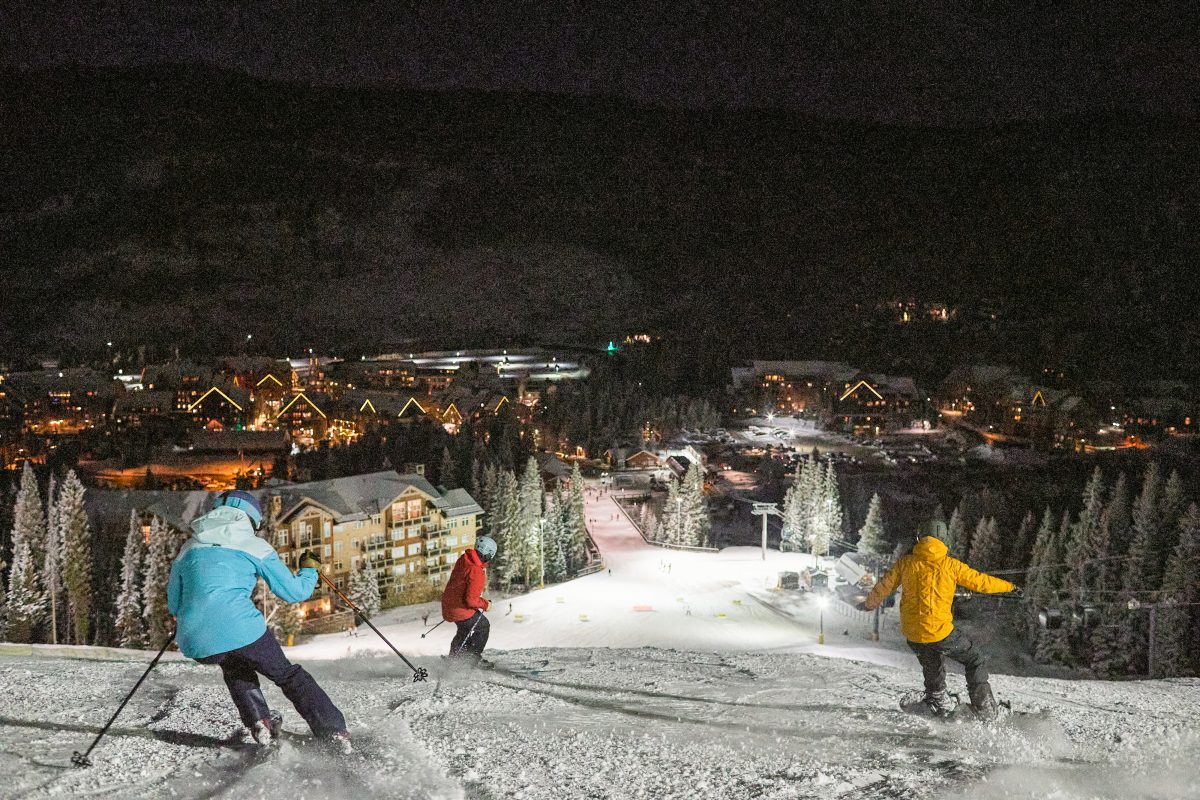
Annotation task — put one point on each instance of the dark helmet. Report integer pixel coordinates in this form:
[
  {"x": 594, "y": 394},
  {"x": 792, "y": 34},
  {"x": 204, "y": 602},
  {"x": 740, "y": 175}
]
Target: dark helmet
[{"x": 243, "y": 501}]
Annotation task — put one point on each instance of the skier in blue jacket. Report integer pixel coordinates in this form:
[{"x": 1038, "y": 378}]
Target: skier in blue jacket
[{"x": 209, "y": 592}]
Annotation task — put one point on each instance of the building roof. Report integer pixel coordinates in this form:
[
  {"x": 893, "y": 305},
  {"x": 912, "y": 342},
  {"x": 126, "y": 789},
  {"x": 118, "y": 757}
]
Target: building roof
[
  {"x": 348, "y": 499},
  {"x": 391, "y": 404},
  {"x": 146, "y": 401},
  {"x": 28, "y": 385},
  {"x": 361, "y": 496}
]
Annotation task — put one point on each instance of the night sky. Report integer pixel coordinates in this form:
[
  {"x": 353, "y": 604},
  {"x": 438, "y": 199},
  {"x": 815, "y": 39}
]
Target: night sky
[{"x": 936, "y": 62}]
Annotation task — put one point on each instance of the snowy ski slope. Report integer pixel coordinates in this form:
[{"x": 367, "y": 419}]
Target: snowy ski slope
[{"x": 642, "y": 699}]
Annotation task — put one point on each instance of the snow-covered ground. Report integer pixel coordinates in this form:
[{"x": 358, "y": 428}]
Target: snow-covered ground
[{"x": 680, "y": 675}]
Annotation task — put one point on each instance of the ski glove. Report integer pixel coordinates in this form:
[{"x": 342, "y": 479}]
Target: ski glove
[
  {"x": 861, "y": 606},
  {"x": 310, "y": 560}
]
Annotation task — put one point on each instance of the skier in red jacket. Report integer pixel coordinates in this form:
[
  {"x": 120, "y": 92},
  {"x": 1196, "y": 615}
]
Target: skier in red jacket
[{"x": 463, "y": 603}]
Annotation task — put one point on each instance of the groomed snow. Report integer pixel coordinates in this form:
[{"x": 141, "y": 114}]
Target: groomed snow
[{"x": 735, "y": 699}]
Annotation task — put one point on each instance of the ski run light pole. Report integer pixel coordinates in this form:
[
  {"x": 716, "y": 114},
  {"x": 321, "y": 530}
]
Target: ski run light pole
[
  {"x": 81, "y": 759},
  {"x": 764, "y": 510},
  {"x": 419, "y": 673}
]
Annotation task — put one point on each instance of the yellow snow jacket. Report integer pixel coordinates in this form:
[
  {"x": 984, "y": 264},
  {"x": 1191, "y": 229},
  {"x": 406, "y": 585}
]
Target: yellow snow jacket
[{"x": 928, "y": 577}]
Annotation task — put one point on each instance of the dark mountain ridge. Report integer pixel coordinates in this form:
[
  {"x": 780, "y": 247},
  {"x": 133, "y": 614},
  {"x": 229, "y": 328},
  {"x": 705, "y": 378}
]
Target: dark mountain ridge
[{"x": 189, "y": 205}]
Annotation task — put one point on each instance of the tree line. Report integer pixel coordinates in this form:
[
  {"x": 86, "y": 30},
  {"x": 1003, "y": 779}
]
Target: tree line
[{"x": 541, "y": 536}]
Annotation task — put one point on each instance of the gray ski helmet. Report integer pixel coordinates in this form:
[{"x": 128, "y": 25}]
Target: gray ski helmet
[{"x": 486, "y": 547}]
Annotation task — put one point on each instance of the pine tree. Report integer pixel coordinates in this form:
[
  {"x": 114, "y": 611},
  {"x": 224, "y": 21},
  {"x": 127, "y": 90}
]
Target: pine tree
[
  {"x": 288, "y": 622},
  {"x": 364, "y": 591},
  {"x": 1039, "y": 586},
  {"x": 77, "y": 555},
  {"x": 1116, "y": 523},
  {"x": 552, "y": 536},
  {"x": 985, "y": 545},
  {"x": 871, "y": 539},
  {"x": 695, "y": 523},
  {"x": 26, "y": 604},
  {"x": 52, "y": 562},
  {"x": 1021, "y": 552},
  {"x": 1177, "y": 635},
  {"x": 670, "y": 522},
  {"x": 130, "y": 631},
  {"x": 1087, "y": 545},
  {"x": 1170, "y": 508},
  {"x": 505, "y": 529},
  {"x": 447, "y": 473},
  {"x": 795, "y": 521},
  {"x": 1147, "y": 534},
  {"x": 956, "y": 536},
  {"x": 575, "y": 524},
  {"x": 529, "y": 533},
  {"x": 159, "y": 554}
]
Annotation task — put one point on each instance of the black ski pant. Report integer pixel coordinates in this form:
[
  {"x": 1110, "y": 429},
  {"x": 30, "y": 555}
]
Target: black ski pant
[
  {"x": 958, "y": 647},
  {"x": 241, "y": 668},
  {"x": 471, "y": 638}
]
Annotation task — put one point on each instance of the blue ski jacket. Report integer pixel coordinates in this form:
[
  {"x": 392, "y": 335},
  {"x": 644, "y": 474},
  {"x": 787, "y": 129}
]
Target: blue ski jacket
[{"x": 213, "y": 578}]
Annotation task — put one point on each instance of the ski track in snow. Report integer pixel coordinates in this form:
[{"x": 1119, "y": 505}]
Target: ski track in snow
[{"x": 636, "y": 699}]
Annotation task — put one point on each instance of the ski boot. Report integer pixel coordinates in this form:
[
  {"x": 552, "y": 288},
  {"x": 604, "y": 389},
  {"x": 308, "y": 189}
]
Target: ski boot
[
  {"x": 483, "y": 663},
  {"x": 266, "y": 731},
  {"x": 938, "y": 703},
  {"x": 983, "y": 704},
  {"x": 341, "y": 744}
]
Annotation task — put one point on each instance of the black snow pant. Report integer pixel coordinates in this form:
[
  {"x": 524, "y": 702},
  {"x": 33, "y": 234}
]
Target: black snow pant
[
  {"x": 471, "y": 638},
  {"x": 241, "y": 667},
  {"x": 958, "y": 647}
]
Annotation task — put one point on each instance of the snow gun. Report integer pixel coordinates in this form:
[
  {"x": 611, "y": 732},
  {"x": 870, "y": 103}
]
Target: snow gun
[{"x": 419, "y": 673}]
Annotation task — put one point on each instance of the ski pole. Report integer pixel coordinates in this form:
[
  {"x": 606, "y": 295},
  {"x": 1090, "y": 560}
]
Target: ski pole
[
  {"x": 419, "y": 673},
  {"x": 431, "y": 630},
  {"x": 81, "y": 759}
]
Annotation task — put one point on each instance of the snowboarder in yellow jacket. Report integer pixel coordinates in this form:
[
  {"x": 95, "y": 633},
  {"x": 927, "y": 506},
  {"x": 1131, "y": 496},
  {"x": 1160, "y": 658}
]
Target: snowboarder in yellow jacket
[{"x": 929, "y": 577}]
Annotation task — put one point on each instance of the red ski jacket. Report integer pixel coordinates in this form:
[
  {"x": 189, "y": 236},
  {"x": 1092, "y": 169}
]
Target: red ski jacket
[{"x": 462, "y": 596}]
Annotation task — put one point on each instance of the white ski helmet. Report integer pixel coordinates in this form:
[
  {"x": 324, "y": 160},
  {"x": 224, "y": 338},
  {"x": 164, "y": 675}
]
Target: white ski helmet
[{"x": 486, "y": 547}]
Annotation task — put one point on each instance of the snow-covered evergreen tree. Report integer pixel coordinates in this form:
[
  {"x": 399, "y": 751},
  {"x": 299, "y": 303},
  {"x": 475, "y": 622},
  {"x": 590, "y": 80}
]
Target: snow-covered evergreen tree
[
  {"x": 530, "y": 494},
  {"x": 288, "y": 622},
  {"x": 1117, "y": 524},
  {"x": 1087, "y": 547},
  {"x": 448, "y": 472},
  {"x": 552, "y": 539},
  {"x": 52, "y": 580},
  {"x": 1170, "y": 509},
  {"x": 1039, "y": 589},
  {"x": 364, "y": 591},
  {"x": 160, "y": 552},
  {"x": 505, "y": 529},
  {"x": 695, "y": 523},
  {"x": 1021, "y": 551},
  {"x": 795, "y": 519},
  {"x": 827, "y": 521},
  {"x": 1147, "y": 533},
  {"x": 575, "y": 524},
  {"x": 1177, "y": 635},
  {"x": 130, "y": 631},
  {"x": 871, "y": 538},
  {"x": 956, "y": 533},
  {"x": 985, "y": 545},
  {"x": 77, "y": 555},
  {"x": 670, "y": 521},
  {"x": 27, "y": 602}
]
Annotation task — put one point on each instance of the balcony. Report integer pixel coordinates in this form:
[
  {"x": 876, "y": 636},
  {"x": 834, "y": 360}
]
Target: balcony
[
  {"x": 308, "y": 541},
  {"x": 373, "y": 545}
]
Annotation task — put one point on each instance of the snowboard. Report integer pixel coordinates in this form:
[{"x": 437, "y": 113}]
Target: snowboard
[{"x": 912, "y": 703}]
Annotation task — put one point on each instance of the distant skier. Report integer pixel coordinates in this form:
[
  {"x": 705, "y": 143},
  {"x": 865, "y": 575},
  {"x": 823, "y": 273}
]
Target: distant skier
[
  {"x": 211, "y": 581},
  {"x": 463, "y": 603},
  {"x": 928, "y": 577}
]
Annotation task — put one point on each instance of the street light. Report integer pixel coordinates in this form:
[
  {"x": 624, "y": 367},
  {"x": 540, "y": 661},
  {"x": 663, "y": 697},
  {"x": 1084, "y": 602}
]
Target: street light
[{"x": 822, "y": 604}]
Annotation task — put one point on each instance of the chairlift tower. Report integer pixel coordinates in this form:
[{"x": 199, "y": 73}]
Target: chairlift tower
[{"x": 764, "y": 510}]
